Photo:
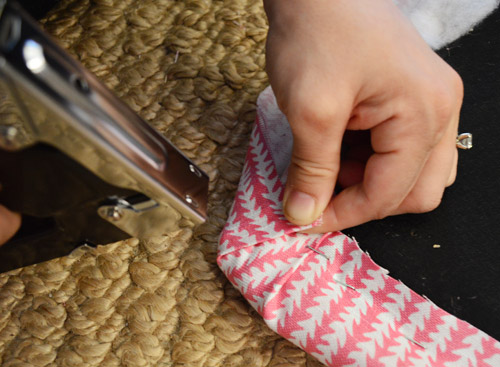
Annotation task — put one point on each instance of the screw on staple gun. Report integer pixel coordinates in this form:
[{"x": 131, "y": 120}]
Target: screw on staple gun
[{"x": 78, "y": 163}]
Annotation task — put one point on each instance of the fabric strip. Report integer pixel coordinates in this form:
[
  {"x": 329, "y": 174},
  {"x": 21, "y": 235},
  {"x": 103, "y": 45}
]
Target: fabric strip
[{"x": 322, "y": 292}]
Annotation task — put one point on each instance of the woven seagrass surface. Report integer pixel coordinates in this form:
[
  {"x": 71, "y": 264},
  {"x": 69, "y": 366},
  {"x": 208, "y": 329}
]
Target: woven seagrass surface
[{"x": 193, "y": 69}]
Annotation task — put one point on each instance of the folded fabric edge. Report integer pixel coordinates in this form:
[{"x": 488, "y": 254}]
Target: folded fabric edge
[{"x": 258, "y": 239}]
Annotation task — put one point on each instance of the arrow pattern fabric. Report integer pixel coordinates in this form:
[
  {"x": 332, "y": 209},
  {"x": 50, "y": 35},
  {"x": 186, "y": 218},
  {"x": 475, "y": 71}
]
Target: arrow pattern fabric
[{"x": 322, "y": 292}]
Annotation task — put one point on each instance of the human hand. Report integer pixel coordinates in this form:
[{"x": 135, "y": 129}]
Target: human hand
[
  {"x": 360, "y": 65},
  {"x": 9, "y": 224}
]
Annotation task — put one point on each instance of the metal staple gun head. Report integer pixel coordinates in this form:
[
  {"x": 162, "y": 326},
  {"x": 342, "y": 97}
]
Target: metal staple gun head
[{"x": 78, "y": 163}]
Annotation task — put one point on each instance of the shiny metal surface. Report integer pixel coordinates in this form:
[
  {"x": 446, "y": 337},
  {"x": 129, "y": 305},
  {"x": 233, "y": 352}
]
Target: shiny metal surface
[
  {"x": 50, "y": 98},
  {"x": 464, "y": 141},
  {"x": 139, "y": 215}
]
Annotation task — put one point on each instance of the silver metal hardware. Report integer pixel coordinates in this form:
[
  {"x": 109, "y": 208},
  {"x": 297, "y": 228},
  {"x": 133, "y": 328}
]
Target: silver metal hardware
[
  {"x": 77, "y": 160},
  {"x": 33, "y": 56},
  {"x": 191, "y": 201},
  {"x": 111, "y": 213},
  {"x": 195, "y": 170},
  {"x": 318, "y": 252},
  {"x": 139, "y": 216},
  {"x": 63, "y": 105},
  {"x": 10, "y": 32},
  {"x": 464, "y": 141},
  {"x": 344, "y": 284},
  {"x": 414, "y": 342},
  {"x": 7, "y": 135}
]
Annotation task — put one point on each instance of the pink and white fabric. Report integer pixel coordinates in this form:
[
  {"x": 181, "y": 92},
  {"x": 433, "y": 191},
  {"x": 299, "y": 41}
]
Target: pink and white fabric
[{"x": 322, "y": 292}]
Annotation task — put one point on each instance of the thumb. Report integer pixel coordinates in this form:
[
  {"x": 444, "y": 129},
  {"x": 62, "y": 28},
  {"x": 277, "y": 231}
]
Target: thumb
[{"x": 315, "y": 162}]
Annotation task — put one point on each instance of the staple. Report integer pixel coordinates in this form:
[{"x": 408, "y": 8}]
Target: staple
[
  {"x": 414, "y": 341},
  {"x": 318, "y": 252},
  {"x": 350, "y": 286},
  {"x": 176, "y": 57},
  {"x": 345, "y": 284}
]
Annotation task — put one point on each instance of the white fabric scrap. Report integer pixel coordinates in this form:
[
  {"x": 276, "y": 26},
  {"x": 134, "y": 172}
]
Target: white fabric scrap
[{"x": 440, "y": 22}]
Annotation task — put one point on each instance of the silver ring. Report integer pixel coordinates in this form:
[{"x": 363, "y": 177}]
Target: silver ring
[{"x": 464, "y": 141}]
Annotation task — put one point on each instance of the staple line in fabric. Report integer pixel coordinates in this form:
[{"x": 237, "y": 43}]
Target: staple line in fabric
[
  {"x": 322, "y": 292},
  {"x": 318, "y": 252},
  {"x": 345, "y": 284}
]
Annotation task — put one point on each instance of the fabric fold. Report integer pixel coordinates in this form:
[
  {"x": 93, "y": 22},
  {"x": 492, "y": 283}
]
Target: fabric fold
[{"x": 322, "y": 292}]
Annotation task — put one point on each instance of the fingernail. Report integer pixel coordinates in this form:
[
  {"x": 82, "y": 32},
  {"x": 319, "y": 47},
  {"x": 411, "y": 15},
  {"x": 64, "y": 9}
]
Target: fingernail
[{"x": 300, "y": 207}]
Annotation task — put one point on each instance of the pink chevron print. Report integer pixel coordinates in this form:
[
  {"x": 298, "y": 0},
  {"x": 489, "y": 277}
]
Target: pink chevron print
[{"x": 322, "y": 292}]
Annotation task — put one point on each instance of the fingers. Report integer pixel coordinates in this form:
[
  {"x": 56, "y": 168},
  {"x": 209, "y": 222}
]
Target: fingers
[
  {"x": 380, "y": 194},
  {"x": 407, "y": 174},
  {"x": 351, "y": 173},
  {"x": 453, "y": 174},
  {"x": 390, "y": 175},
  {"x": 318, "y": 126},
  {"x": 9, "y": 224},
  {"x": 428, "y": 191},
  {"x": 332, "y": 70},
  {"x": 438, "y": 173}
]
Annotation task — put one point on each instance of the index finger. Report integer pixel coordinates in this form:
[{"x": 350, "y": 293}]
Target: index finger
[{"x": 390, "y": 174}]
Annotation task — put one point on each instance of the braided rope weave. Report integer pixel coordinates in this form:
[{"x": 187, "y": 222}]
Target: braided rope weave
[{"x": 193, "y": 69}]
